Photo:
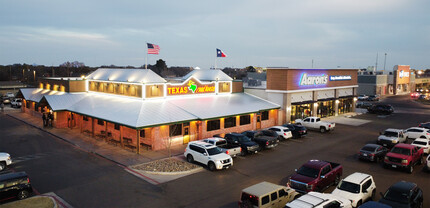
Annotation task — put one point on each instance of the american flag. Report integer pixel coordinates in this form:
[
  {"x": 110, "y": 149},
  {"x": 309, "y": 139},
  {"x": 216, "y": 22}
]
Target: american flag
[{"x": 153, "y": 49}]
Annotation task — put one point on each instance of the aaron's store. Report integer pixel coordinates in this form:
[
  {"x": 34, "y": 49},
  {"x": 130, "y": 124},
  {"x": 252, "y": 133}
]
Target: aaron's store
[
  {"x": 309, "y": 92},
  {"x": 136, "y": 108}
]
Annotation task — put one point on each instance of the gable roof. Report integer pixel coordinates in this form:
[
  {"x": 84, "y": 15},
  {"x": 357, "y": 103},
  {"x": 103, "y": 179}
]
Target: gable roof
[
  {"x": 126, "y": 75},
  {"x": 208, "y": 75}
]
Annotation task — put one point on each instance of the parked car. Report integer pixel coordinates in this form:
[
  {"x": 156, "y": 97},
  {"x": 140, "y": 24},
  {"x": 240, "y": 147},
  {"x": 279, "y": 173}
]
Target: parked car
[
  {"x": 364, "y": 105},
  {"x": 363, "y": 97},
  {"x": 248, "y": 146},
  {"x": 417, "y": 132},
  {"x": 14, "y": 185},
  {"x": 425, "y": 125},
  {"x": 266, "y": 194},
  {"x": 316, "y": 124},
  {"x": 373, "y": 98},
  {"x": 232, "y": 150},
  {"x": 207, "y": 154},
  {"x": 265, "y": 138},
  {"x": 283, "y": 132},
  {"x": 16, "y": 102},
  {"x": 315, "y": 175},
  {"x": 391, "y": 137},
  {"x": 372, "y": 152},
  {"x": 381, "y": 109},
  {"x": 357, "y": 187},
  {"x": 404, "y": 156},
  {"x": 374, "y": 204},
  {"x": 9, "y": 94},
  {"x": 403, "y": 195},
  {"x": 422, "y": 143},
  {"x": 298, "y": 131},
  {"x": 5, "y": 160},
  {"x": 6, "y": 100},
  {"x": 319, "y": 200}
]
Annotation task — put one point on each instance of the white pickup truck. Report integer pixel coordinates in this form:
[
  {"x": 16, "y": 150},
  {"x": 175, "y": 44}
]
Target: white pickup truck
[
  {"x": 315, "y": 123},
  {"x": 4, "y": 160},
  {"x": 221, "y": 143}
]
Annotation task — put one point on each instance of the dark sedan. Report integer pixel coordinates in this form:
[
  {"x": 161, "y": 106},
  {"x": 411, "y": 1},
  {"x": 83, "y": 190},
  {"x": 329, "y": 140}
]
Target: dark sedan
[
  {"x": 298, "y": 131},
  {"x": 372, "y": 152},
  {"x": 381, "y": 109}
]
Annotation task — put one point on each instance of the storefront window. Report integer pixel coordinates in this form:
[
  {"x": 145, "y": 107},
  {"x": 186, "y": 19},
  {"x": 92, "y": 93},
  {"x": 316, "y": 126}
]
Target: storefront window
[
  {"x": 265, "y": 115},
  {"x": 300, "y": 111},
  {"x": 175, "y": 130},
  {"x": 229, "y": 122},
  {"x": 325, "y": 108},
  {"x": 245, "y": 120},
  {"x": 345, "y": 105},
  {"x": 213, "y": 125}
]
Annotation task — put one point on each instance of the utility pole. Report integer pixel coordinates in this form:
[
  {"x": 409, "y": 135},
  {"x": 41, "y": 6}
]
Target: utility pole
[
  {"x": 312, "y": 63},
  {"x": 376, "y": 65}
]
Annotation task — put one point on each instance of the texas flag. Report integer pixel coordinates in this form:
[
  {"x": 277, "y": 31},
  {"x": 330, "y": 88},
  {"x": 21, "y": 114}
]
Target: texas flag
[{"x": 219, "y": 53}]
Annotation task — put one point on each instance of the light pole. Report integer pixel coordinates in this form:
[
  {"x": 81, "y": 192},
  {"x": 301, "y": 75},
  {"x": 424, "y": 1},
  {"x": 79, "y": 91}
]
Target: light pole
[
  {"x": 34, "y": 75},
  {"x": 385, "y": 61}
]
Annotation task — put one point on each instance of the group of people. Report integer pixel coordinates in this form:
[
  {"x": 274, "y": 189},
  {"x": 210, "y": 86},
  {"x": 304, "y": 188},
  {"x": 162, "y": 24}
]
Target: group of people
[{"x": 47, "y": 119}]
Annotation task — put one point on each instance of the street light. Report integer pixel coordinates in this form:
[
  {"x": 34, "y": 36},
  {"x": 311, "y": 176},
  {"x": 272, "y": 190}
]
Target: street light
[{"x": 34, "y": 75}]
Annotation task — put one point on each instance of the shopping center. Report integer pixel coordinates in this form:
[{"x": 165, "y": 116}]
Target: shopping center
[
  {"x": 136, "y": 108},
  {"x": 309, "y": 92}
]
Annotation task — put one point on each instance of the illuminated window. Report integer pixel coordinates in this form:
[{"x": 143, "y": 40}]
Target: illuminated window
[
  {"x": 229, "y": 122},
  {"x": 245, "y": 120},
  {"x": 175, "y": 130},
  {"x": 213, "y": 125},
  {"x": 265, "y": 115}
]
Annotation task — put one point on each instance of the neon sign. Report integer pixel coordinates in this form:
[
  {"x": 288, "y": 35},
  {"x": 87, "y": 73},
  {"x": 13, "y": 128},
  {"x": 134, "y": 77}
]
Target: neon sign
[
  {"x": 403, "y": 74},
  {"x": 306, "y": 80},
  {"x": 192, "y": 86},
  {"x": 340, "y": 77}
]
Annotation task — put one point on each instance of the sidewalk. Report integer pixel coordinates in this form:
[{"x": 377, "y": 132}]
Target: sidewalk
[
  {"x": 101, "y": 148},
  {"x": 348, "y": 118}
]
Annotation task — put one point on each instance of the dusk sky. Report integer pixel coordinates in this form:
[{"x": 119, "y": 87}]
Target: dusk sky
[{"x": 288, "y": 33}]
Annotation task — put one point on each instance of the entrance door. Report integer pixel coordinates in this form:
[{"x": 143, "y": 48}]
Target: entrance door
[
  {"x": 186, "y": 134},
  {"x": 258, "y": 121}
]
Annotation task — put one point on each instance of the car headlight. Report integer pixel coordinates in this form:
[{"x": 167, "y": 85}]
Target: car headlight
[
  {"x": 385, "y": 158},
  {"x": 394, "y": 141},
  {"x": 404, "y": 161},
  {"x": 309, "y": 187}
]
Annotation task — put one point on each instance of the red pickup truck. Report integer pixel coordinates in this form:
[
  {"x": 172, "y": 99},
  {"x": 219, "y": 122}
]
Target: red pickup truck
[
  {"x": 404, "y": 156},
  {"x": 315, "y": 175}
]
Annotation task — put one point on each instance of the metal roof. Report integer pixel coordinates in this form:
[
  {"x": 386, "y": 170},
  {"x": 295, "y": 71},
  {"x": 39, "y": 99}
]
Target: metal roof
[
  {"x": 126, "y": 75},
  {"x": 138, "y": 113},
  {"x": 36, "y": 94},
  {"x": 208, "y": 75}
]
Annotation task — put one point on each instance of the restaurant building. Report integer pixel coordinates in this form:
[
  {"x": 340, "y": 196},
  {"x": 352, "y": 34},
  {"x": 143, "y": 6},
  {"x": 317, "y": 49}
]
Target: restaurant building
[
  {"x": 309, "y": 92},
  {"x": 136, "y": 108}
]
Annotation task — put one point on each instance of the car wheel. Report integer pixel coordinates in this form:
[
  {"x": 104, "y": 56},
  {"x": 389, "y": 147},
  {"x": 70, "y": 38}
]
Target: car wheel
[
  {"x": 246, "y": 204},
  {"x": 211, "y": 166},
  {"x": 22, "y": 194},
  {"x": 358, "y": 204},
  {"x": 410, "y": 169},
  {"x": 2, "y": 166},
  {"x": 376, "y": 159},
  {"x": 322, "y": 130},
  {"x": 373, "y": 195},
  {"x": 190, "y": 158}
]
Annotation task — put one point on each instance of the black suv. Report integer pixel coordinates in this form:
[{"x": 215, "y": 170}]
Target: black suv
[
  {"x": 14, "y": 185},
  {"x": 298, "y": 131},
  {"x": 381, "y": 109},
  {"x": 403, "y": 194}
]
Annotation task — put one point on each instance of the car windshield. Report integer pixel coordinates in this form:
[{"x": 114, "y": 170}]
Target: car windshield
[
  {"x": 308, "y": 171},
  {"x": 419, "y": 143},
  {"x": 394, "y": 195},
  {"x": 401, "y": 151},
  {"x": 349, "y": 187},
  {"x": 390, "y": 134},
  {"x": 368, "y": 148},
  {"x": 244, "y": 138},
  {"x": 214, "y": 151}
]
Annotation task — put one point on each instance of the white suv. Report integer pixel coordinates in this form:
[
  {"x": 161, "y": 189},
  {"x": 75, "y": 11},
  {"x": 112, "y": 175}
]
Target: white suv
[
  {"x": 357, "y": 187},
  {"x": 319, "y": 200},
  {"x": 283, "y": 132},
  {"x": 207, "y": 154},
  {"x": 5, "y": 160},
  {"x": 417, "y": 132}
]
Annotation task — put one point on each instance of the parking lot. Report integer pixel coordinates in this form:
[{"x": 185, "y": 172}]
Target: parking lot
[{"x": 220, "y": 188}]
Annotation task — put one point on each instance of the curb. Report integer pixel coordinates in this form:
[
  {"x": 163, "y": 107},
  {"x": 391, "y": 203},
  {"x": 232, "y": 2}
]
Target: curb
[{"x": 194, "y": 170}]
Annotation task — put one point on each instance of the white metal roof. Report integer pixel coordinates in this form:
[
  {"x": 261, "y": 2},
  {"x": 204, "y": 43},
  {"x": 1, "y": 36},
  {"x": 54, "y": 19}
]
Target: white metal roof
[
  {"x": 208, "y": 75},
  {"x": 36, "y": 94},
  {"x": 126, "y": 75}
]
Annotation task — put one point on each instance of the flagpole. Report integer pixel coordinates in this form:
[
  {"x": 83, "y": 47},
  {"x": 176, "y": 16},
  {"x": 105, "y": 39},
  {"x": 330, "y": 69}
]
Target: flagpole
[
  {"x": 215, "y": 62},
  {"x": 146, "y": 60}
]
